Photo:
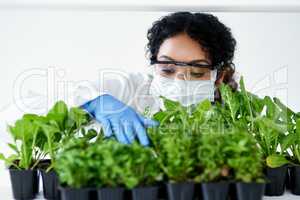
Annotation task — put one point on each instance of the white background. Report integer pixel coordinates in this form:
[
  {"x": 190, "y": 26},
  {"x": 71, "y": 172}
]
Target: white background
[{"x": 78, "y": 38}]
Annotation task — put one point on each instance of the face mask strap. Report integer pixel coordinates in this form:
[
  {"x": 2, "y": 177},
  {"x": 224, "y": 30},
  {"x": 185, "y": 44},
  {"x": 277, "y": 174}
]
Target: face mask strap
[{"x": 213, "y": 75}]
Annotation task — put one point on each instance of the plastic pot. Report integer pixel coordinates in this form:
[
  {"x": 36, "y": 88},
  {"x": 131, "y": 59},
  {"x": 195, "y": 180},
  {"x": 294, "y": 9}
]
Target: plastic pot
[
  {"x": 36, "y": 183},
  {"x": 77, "y": 194},
  {"x": 275, "y": 180},
  {"x": 295, "y": 179},
  {"x": 111, "y": 193},
  {"x": 232, "y": 193},
  {"x": 198, "y": 191},
  {"x": 50, "y": 185},
  {"x": 180, "y": 191},
  {"x": 50, "y": 181},
  {"x": 287, "y": 179},
  {"x": 145, "y": 193},
  {"x": 24, "y": 183},
  {"x": 250, "y": 191},
  {"x": 162, "y": 190},
  {"x": 215, "y": 191}
]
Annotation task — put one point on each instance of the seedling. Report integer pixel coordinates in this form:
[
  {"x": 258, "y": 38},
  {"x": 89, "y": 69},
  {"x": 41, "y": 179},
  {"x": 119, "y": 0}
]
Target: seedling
[{"x": 27, "y": 137}]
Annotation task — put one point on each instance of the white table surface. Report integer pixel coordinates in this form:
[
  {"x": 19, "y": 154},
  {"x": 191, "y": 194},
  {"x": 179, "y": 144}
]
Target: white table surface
[{"x": 5, "y": 194}]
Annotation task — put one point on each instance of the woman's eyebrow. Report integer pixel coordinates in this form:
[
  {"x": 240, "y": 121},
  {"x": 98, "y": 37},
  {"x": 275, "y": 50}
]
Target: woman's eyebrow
[
  {"x": 200, "y": 60},
  {"x": 166, "y": 57},
  {"x": 193, "y": 61}
]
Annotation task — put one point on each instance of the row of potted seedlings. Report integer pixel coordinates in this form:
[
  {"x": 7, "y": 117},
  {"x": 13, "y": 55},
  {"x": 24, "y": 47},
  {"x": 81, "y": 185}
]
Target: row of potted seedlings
[
  {"x": 173, "y": 169},
  {"x": 90, "y": 167},
  {"x": 108, "y": 170},
  {"x": 201, "y": 158},
  {"x": 181, "y": 161},
  {"x": 276, "y": 129},
  {"x": 36, "y": 141},
  {"x": 247, "y": 143}
]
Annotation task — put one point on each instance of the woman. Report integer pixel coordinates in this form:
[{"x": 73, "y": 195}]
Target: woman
[{"x": 190, "y": 55}]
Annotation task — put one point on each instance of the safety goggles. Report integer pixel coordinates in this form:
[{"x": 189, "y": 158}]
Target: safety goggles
[{"x": 187, "y": 64}]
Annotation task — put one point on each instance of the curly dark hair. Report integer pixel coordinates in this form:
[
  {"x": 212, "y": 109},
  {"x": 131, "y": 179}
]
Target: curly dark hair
[{"x": 213, "y": 36}]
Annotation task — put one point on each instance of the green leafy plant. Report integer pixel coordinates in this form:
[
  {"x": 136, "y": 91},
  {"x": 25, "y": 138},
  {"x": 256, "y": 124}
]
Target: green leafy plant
[
  {"x": 144, "y": 167},
  {"x": 211, "y": 159},
  {"x": 126, "y": 165},
  {"x": 175, "y": 154},
  {"x": 270, "y": 136},
  {"x": 74, "y": 163},
  {"x": 262, "y": 119},
  {"x": 292, "y": 142},
  {"x": 173, "y": 140},
  {"x": 36, "y": 137},
  {"x": 107, "y": 164},
  {"x": 295, "y": 146},
  {"x": 59, "y": 126},
  {"x": 74, "y": 168},
  {"x": 243, "y": 159},
  {"x": 265, "y": 118},
  {"x": 26, "y": 136},
  {"x": 229, "y": 155}
]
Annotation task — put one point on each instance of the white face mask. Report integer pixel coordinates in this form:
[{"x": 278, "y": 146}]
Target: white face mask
[{"x": 187, "y": 92}]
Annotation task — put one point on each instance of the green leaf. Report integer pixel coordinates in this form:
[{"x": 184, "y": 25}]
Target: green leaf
[
  {"x": 60, "y": 108},
  {"x": 2, "y": 157},
  {"x": 289, "y": 140},
  {"x": 204, "y": 106},
  {"x": 13, "y": 147},
  {"x": 79, "y": 116},
  {"x": 24, "y": 131},
  {"x": 171, "y": 105},
  {"x": 10, "y": 160},
  {"x": 298, "y": 127},
  {"x": 91, "y": 134},
  {"x": 246, "y": 99},
  {"x": 272, "y": 110},
  {"x": 257, "y": 104},
  {"x": 59, "y": 114},
  {"x": 275, "y": 161},
  {"x": 287, "y": 112},
  {"x": 31, "y": 117},
  {"x": 160, "y": 116},
  {"x": 231, "y": 101}
]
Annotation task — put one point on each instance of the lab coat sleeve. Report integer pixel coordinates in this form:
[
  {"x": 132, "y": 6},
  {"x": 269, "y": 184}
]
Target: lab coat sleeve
[
  {"x": 84, "y": 92},
  {"x": 122, "y": 86}
]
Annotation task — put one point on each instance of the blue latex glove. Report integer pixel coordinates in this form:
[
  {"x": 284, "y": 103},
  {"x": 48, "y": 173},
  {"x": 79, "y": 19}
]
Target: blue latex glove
[{"x": 119, "y": 119}]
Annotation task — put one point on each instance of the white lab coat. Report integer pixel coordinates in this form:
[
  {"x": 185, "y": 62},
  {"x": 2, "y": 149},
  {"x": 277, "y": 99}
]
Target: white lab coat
[{"x": 133, "y": 89}]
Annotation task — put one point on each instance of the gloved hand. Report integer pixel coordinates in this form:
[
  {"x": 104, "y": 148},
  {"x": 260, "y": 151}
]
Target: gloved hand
[{"x": 119, "y": 119}]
